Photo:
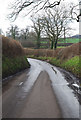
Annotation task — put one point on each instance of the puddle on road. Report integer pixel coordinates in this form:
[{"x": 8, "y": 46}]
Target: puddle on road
[{"x": 61, "y": 88}]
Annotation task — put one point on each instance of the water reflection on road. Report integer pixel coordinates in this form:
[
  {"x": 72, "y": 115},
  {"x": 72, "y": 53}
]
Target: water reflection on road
[{"x": 65, "y": 96}]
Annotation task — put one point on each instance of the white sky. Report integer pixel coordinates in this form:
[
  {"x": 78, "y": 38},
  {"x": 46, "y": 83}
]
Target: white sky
[{"x": 23, "y": 22}]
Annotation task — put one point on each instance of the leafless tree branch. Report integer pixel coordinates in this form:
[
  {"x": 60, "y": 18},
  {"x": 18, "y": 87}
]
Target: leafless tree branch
[
  {"x": 18, "y": 6},
  {"x": 74, "y": 14}
]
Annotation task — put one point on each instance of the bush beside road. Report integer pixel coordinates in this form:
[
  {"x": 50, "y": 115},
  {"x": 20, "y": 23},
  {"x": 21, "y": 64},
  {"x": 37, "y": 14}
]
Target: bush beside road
[{"x": 13, "y": 57}]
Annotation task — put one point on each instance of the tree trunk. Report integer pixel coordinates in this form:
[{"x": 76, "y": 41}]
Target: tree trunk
[
  {"x": 52, "y": 42},
  {"x": 56, "y": 40},
  {"x": 25, "y": 36},
  {"x": 55, "y": 45},
  {"x": 38, "y": 42},
  {"x": 13, "y": 35}
]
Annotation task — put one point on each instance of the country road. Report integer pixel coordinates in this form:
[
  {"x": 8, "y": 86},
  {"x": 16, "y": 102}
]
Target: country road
[{"x": 40, "y": 92}]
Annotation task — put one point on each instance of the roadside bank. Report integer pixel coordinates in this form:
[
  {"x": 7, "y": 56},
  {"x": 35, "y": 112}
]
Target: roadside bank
[{"x": 13, "y": 57}]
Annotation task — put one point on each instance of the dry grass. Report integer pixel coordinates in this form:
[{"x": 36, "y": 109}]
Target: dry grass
[
  {"x": 60, "y": 53},
  {"x": 42, "y": 52},
  {"x": 69, "y": 52},
  {"x": 11, "y": 47}
]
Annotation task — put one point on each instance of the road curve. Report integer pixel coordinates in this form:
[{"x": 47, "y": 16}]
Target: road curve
[{"x": 41, "y": 92}]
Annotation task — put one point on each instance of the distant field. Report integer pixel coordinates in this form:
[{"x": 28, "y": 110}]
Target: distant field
[
  {"x": 46, "y": 43},
  {"x": 70, "y": 40},
  {"x": 60, "y": 46},
  {"x": 62, "y": 43},
  {"x": 67, "y": 40}
]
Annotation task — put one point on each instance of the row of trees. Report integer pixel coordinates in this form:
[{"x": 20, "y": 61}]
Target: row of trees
[
  {"x": 53, "y": 24},
  {"x": 14, "y": 32},
  {"x": 25, "y": 36}
]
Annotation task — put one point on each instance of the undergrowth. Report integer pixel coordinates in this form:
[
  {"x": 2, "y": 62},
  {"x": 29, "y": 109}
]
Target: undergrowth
[
  {"x": 73, "y": 65},
  {"x": 13, "y": 59},
  {"x": 12, "y": 65}
]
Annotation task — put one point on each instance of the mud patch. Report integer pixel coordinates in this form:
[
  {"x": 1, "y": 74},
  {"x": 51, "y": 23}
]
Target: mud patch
[{"x": 74, "y": 83}]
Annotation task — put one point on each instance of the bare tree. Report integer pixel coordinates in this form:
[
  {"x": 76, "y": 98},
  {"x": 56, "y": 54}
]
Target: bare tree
[
  {"x": 24, "y": 33},
  {"x": 54, "y": 23},
  {"x": 75, "y": 12},
  {"x": 38, "y": 29},
  {"x": 13, "y": 32},
  {"x": 19, "y": 5},
  {"x": 47, "y": 24}
]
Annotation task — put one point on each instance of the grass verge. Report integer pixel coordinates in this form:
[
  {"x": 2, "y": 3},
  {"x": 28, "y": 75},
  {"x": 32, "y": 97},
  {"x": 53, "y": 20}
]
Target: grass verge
[{"x": 12, "y": 65}]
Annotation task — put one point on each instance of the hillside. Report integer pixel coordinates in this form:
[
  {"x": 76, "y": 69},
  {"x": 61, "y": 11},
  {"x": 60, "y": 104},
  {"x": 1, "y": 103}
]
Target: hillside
[{"x": 76, "y": 36}]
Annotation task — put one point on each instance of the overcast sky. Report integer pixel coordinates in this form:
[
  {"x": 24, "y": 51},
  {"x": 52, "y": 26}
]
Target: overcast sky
[{"x": 20, "y": 22}]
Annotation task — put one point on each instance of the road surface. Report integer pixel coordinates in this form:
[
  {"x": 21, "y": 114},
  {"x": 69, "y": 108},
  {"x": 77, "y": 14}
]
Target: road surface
[{"x": 40, "y": 92}]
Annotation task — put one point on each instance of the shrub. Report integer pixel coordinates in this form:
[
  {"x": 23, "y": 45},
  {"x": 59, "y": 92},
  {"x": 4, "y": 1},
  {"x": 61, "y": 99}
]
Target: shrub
[
  {"x": 73, "y": 65},
  {"x": 11, "y": 47},
  {"x": 11, "y": 66},
  {"x": 13, "y": 59}
]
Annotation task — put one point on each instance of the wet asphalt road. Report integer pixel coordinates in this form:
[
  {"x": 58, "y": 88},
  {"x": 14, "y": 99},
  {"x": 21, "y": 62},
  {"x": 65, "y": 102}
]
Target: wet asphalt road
[{"x": 40, "y": 92}]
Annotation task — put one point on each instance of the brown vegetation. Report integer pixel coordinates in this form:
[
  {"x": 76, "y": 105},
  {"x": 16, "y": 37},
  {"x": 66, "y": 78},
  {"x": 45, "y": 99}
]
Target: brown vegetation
[
  {"x": 42, "y": 52},
  {"x": 69, "y": 52},
  {"x": 26, "y": 43},
  {"x": 61, "y": 53},
  {"x": 11, "y": 47},
  {"x": 13, "y": 59},
  {"x": 12, "y": 62}
]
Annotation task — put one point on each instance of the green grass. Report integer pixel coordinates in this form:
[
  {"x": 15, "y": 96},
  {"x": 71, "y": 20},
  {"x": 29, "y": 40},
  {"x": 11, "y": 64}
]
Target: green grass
[
  {"x": 11, "y": 66},
  {"x": 60, "y": 46},
  {"x": 73, "y": 65},
  {"x": 43, "y": 47},
  {"x": 69, "y": 40}
]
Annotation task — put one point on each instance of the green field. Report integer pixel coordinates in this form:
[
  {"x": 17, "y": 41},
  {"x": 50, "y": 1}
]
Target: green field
[
  {"x": 61, "y": 42},
  {"x": 67, "y": 40},
  {"x": 70, "y": 40}
]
